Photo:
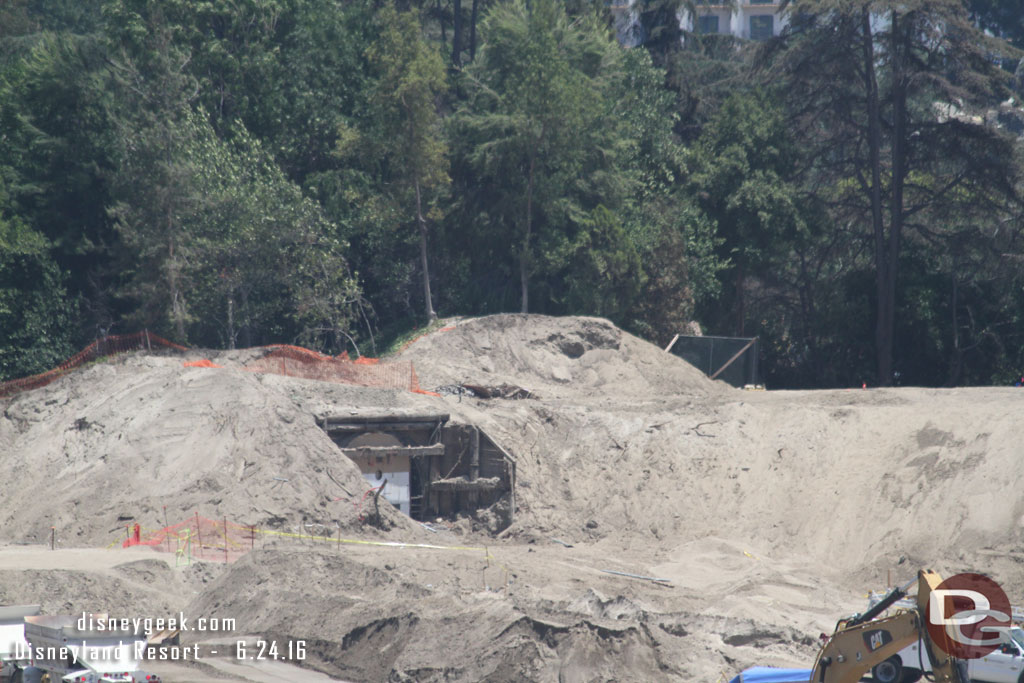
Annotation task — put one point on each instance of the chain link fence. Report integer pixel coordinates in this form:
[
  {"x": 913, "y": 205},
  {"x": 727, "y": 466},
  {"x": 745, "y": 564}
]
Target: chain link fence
[{"x": 730, "y": 359}]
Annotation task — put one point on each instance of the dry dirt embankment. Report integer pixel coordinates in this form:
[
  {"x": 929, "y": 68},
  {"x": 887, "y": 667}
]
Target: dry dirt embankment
[{"x": 771, "y": 513}]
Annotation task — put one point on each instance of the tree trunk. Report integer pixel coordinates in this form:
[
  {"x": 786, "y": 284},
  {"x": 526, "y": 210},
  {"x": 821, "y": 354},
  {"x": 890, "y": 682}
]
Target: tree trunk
[
  {"x": 457, "y": 33},
  {"x": 246, "y": 320},
  {"x": 472, "y": 29},
  {"x": 231, "y": 323},
  {"x": 440, "y": 20},
  {"x": 958, "y": 353},
  {"x": 429, "y": 306},
  {"x": 174, "y": 290},
  {"x": 883, "y": 320},
  {"x": 741, "y": 310},
  {"x": 524, "y": 257},
  {"x": 899, "y": 173}
]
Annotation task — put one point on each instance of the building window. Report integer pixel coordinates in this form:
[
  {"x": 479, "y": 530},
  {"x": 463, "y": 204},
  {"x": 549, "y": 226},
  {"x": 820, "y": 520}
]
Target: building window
[
  {"x": 707, "y": 23},
  {"x": 762, "y": 27}
]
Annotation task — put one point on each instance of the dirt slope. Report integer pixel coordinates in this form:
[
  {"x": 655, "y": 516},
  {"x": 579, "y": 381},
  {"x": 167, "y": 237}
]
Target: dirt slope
[
  {"x": 770, "y": 513},
  {"x": 855, "y": 479},
  {"x": 569, "y": 357},
  {"x": 115, "y": 442}
]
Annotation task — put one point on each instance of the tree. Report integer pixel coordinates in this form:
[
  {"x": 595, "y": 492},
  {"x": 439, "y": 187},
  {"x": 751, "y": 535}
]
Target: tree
[
  {"x": 154, "y": 185},
  {"x": 884, "y": 90},
  {"x": 742, "y": 172},
  {"x": 58, "y": 130},
  {"x": 404, "y": 128},
  {"x": 661, "y": 33},
  {"x": 36, "y": 317},
  {"x": 457, "y": 33},
  {"x": 473, "y": 16},
  {"x": 265, "y": 262},
  {"x": 1001, "y": 17},
  {"x": 676, "y": 242},
  {"x": 212, "y": 231},
  {"x": 539, "y": 138}
]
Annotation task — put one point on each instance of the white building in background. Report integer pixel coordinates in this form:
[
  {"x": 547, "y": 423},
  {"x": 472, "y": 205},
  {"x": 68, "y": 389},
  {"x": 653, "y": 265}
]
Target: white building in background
[
  {"x": 747, "y": 19},
  {"x": 750, "y": 19}
]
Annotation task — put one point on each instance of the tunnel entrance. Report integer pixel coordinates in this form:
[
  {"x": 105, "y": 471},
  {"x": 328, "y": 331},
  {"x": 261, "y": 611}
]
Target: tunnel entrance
[{"x": 433, "y": 467}]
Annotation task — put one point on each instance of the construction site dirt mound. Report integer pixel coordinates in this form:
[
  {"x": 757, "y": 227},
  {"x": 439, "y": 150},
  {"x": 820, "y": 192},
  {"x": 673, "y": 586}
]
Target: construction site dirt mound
[
  {"x": 114, "y": 444},
  {"x": 552, "y": 357},
  {"x": 764, "y": 516}
]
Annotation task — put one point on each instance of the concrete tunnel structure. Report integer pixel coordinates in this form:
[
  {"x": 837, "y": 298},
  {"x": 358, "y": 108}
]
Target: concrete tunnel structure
[{"x": 433, "y": 467}]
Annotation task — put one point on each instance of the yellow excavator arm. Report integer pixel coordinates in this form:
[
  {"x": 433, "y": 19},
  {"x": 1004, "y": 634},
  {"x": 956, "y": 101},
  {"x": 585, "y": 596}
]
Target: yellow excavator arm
[{"x": 861, "y": 642}]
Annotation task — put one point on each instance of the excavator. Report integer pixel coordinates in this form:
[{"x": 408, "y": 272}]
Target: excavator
[{"x": 863, "y": 641}]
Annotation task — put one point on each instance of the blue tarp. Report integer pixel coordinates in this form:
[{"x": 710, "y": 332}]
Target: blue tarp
[{"x": 765, "y": 674}]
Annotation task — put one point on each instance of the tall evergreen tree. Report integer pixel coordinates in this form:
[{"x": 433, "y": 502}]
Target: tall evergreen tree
[
  {"x": 404, "y": 125},
  {"x": 538, "y": 135},
  {"x": 886, "y": 90}
]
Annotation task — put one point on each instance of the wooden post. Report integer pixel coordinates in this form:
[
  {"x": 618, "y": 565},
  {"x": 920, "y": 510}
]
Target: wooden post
[
  {"x": 376, "y": 498},
  {"x": 735, "y": 356},
  {"x": 511, "y": 491},
  {"x": 474, "y": 465},
  {"x": 167, "y": 533},
  {"x": 199, "y": 537},
  {"x": 52, "y": 531}
]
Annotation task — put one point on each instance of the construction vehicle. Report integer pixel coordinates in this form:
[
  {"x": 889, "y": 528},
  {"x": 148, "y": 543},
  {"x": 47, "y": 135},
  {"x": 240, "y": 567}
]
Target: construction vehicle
[
  {"x": 13, "y": 646},
  {"x": 1005, "y": 664},
  {"x": 862, "y": 642},
  {"x": 67, "y": 653},
  {"x": 867, "y": 642}
]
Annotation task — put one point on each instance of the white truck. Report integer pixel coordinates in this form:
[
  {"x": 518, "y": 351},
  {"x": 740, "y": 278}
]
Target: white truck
[
  {"x": 1005, "y": 664},
  {"x": 65, "y": 652},
  {"x": 13, "y": 646}
]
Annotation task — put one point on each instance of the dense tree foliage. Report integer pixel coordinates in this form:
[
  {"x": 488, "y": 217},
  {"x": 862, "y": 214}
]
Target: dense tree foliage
[{"x": 235, "y": 172}]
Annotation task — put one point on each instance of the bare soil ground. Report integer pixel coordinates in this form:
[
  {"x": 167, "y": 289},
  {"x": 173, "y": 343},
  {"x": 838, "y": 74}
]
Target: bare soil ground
[{"x": 770, "y": 513}]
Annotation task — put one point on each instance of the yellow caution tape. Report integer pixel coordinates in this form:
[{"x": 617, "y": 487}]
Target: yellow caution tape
[{"x": 355, "y": 541}]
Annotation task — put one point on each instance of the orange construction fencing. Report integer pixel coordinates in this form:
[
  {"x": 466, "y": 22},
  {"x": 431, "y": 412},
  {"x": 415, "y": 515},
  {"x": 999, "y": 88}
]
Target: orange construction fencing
[
  {"x": 101, "y": 348},
  {"x": 198, "y": 538},
  {"x": 295, "y": 361},
  {"x": 281, "y": 359}
]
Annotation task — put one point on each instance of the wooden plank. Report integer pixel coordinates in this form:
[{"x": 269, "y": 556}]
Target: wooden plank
[
  {"x": 497, "y": 446},
  {"x": 672, "y": 343},
  {"x": 378, "y": 427},
  {"x": 733, "y": 359},
  {"x": 463, "y": 484},
  {"x": 512, "y": 492},
  {"x": 429, "y": 418},
  {"x": 411, "y": 451},
  {"x": 474, "y": 463}
]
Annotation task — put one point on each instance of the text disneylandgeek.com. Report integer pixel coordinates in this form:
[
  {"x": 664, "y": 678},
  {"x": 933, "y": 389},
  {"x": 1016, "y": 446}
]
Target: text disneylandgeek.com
[{"x": 107, "y": 628}]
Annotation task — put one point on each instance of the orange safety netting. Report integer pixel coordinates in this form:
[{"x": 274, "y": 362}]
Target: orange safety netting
[
  {"x": 295, "y": 361},
  {"x": 198, "y": 538},
  {"x": 282, "y": 359},
  {"x": 101, "y": 348},
  {"x": 204, "y": 363}
]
